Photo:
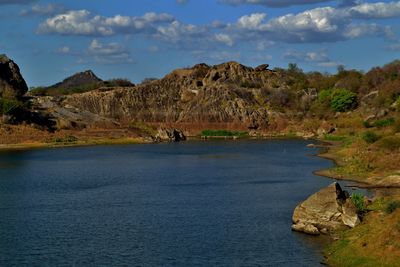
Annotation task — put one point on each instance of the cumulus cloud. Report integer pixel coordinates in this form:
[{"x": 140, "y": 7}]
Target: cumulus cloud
[
  {"x": 322, "y": 24},
  {"x": 43, "y": 10},
  {"x": 319, "y": 58},
  {"x": 109, "y": 52},
  {"x": 273, "y": 3},
  {"x": 82, "y": 22},
  {"x": 224, "y": 38}
]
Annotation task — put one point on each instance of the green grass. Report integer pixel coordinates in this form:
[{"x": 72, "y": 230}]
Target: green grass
[
  {"x": 358, "y": 200},
  {"x": 370, "y": 137},
  {"x": 222, "y": 133},
  {"x": 65, "y": 140},
  {"x": 392, "y": 206},
  {"x": 384, "y": 123}
]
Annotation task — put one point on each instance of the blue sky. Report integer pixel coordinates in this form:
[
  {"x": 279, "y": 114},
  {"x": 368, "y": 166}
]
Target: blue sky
[{"x": 137, "y": 39}]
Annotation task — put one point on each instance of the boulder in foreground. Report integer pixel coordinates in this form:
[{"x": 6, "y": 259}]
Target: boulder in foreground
[{"x": 325, "y": 211}]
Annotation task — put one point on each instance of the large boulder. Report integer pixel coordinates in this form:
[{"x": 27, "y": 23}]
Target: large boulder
[
  {"x": 329, "y": 209},
  {"x": 174, "y": 135},
  {"x": 12, "y": 84}
]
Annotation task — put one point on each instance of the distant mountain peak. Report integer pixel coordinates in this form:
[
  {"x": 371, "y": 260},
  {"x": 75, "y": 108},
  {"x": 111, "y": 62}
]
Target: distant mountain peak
[{"x": 78, "y": 79}]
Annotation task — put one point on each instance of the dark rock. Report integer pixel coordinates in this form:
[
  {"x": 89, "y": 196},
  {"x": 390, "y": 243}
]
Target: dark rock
[
  {"x": 262, "y": 67},
  {"x": 12, "y": 84},
  {"x": 173, "y": 135}
]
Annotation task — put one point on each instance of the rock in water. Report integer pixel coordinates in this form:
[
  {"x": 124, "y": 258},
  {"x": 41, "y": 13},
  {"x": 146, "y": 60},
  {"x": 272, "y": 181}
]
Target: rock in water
[
  {"x": 326, "y": 210},
  {"x": 174, "y": 135},
  {"x": 12, "y": 84}
]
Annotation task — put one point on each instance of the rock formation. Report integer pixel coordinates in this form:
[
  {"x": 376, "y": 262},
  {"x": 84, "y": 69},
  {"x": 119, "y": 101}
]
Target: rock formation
[
  {"x": 174, "y": 135},
  {"x": 228, "y": 93},
  {"x": 12, "y": 84},
  {"x": 325, "y": 211}
]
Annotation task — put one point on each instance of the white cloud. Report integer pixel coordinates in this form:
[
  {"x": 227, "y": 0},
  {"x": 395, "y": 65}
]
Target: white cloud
[
  {"x": 224, "y": 38},
  {"x": 82, "y": 22},
  {"x": 322, "y": 24},
  {"x": 376, "y": 10},
  {"x": 273, "y": 3},
  {"x": 109, "y": 53},
  {"x": 252, "y": 21},
  {"x": 319, "y": 58},
  {"x": 43, "y": 10}
]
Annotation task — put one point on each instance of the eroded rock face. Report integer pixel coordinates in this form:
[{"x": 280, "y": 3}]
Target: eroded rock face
[
  {"x": 326, "y": 210},
  {"x": 228, "y": 93},
  {"x": 12, "y": 84}
]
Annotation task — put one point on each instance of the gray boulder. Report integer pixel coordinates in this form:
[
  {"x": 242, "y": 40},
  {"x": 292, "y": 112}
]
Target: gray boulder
[
  {"x": 12, "y": 84},
  {"x": 325, "y": 211}
]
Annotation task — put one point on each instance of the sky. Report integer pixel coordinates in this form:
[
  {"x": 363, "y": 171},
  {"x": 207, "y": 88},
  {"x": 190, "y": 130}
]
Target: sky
[{"x": 138, "y": 39}]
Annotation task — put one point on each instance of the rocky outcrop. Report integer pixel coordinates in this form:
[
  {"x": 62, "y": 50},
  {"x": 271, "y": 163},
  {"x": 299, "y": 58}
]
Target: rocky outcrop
[
  {"x": 173, "y": 135},
  {"x": 228, "y": 93},
  {"x": 12, "y": 84},
  {"x": 325, "y": 211}
]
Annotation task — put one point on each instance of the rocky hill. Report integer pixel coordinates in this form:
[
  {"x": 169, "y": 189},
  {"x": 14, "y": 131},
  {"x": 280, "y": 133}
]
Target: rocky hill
[
  {"x": 229, "y": 94},
  {"x": 78, "y": 80}
]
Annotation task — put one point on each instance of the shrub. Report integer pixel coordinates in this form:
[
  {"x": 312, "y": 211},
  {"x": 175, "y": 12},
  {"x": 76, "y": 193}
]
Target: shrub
[
  {"x": 370, "y": 137},
  {"x": 10, "y": 106},
  {"x": 325, "y": 96},
  {"x": 343, "y": 100},
  {"x": 358, "y": 200},
  {"x": 384, "y": 122},
  {"x": 392, "y": 206},
  {"x": 69, "y": 139}
]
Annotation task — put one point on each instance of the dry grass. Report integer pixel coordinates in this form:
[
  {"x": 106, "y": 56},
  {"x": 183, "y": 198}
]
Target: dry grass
[{"x": 376, "y": 242}]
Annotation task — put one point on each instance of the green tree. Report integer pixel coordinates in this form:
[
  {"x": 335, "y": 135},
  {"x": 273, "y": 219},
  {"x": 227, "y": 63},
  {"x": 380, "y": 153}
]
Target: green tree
[{"x": 343, "y": 100}]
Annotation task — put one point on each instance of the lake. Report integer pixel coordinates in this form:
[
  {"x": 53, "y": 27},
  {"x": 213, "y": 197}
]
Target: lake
[{"x": 197, "y": 203}]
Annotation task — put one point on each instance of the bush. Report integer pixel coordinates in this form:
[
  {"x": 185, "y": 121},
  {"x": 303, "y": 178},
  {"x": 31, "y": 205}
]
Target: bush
[
  {"x": 10, "y": 106},
  {"x": 343, "y": 100},
  {"x": 69, "y": 139},
  {"x": 325, "y": 96},
  {"x": 370, "y": 137},
  {"x": 384, "y": 122},
  {"x": 392, "y": 206},
  {"x": 358, "y": 200}
]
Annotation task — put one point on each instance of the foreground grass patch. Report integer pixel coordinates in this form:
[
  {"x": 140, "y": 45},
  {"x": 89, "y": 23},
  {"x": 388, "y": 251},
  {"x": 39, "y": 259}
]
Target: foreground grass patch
[{"x": 376, "y": 242}]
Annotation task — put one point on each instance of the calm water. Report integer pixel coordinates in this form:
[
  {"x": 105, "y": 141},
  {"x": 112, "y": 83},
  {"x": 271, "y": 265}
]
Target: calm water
[{"x": 206, "y": 203}]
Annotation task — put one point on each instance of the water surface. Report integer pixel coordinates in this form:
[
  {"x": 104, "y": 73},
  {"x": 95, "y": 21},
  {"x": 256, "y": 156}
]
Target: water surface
[{"x": 199, "y": 203}]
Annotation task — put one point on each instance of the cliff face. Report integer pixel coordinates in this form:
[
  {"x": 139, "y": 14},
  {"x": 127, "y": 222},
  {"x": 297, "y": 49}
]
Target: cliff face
[
  {"x": 226, "y": 93},
  {"x": 12, "y": 84}
]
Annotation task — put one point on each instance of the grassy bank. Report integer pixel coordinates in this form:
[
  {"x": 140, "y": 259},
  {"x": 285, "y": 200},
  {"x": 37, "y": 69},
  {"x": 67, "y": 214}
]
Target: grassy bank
[{"x": 369, "y": 155}]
